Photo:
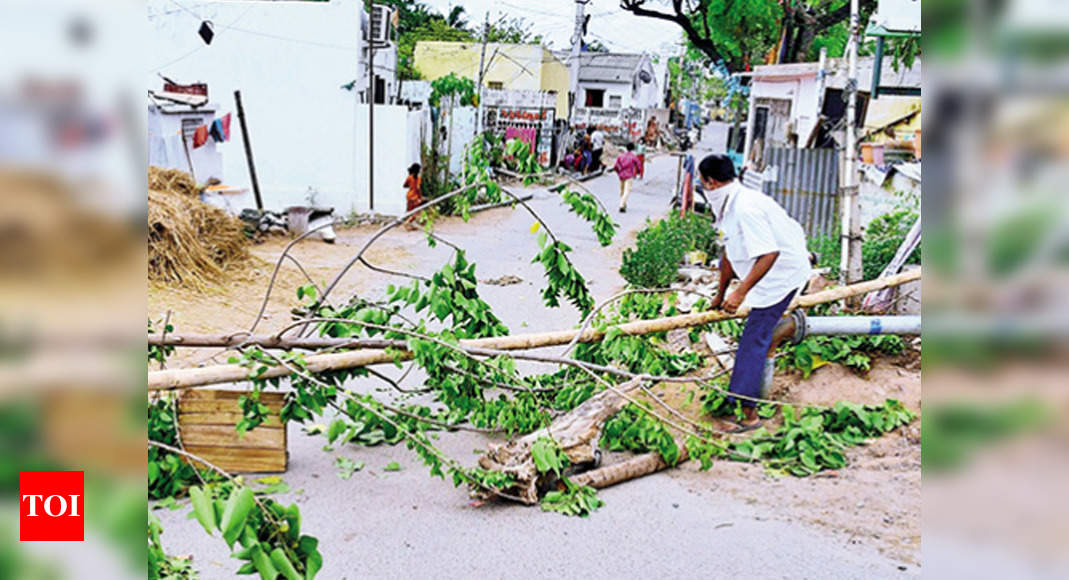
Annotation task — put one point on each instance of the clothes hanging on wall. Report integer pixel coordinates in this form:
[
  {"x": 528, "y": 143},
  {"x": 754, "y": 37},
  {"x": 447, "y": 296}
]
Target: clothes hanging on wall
[
  {"x": 200, "y": 136},
  {"x": 220, "y": 130}
]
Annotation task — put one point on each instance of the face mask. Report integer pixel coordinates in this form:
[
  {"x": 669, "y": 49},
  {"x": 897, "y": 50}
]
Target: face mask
[{"x": 717, "y": 202}]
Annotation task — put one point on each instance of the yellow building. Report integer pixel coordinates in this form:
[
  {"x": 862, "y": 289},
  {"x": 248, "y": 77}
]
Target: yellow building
[{"x": 522, "y": 67}]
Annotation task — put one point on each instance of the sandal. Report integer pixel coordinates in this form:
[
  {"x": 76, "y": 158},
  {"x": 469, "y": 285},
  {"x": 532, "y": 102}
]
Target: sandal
[{"x": 734, "y": 427}]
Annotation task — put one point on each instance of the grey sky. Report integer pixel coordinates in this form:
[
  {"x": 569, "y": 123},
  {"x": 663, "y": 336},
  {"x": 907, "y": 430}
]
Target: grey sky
[{"x": 555, "y": 19}]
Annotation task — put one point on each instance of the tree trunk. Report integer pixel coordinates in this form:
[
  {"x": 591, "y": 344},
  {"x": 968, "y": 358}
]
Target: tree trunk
[{"x": 576, "y": 432}]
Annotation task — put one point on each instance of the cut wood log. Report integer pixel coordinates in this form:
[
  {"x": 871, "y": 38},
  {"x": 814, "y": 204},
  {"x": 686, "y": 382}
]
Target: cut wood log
[
  {"x": 192, "y": 377},
  {"x": 576, "y": 432}
]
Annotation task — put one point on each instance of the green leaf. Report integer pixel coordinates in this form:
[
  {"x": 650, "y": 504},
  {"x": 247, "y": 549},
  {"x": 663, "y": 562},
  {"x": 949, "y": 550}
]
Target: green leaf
[
  {"x": 203, "y": 509},
  {"x": 392, "y": 466},
  {"x": 336, "y": 428},
  {"x": 237, "y": 510},
  {"x": 283, "y": 565},
  {"x": 263, "y": 564}
]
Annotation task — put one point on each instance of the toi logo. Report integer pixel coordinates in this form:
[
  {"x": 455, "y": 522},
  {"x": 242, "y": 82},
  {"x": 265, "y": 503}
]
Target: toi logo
[{"x": 51, "y": 506}]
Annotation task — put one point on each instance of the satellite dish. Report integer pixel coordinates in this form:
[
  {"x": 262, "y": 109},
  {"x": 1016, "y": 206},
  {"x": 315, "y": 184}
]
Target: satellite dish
[{"x": 645, "y": 76}]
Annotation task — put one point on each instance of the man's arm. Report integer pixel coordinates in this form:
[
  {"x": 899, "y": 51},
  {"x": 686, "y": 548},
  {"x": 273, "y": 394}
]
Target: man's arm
[
  {"x": 727, "y": 273},
  {"x": 760, "y": 268}
]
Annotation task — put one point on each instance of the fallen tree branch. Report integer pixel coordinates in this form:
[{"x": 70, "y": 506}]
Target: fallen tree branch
[
  {"x": 192, "y": 377},
  {"x": 576, "y": 433}
]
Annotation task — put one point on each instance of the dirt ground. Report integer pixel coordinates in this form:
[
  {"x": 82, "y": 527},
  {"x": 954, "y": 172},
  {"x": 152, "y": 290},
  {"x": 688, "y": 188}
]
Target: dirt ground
[{"x": 234, "y": 305}]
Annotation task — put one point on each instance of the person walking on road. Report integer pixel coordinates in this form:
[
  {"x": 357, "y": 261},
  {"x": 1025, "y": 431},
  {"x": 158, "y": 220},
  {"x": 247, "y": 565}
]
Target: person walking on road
[
  {"x": 414, "y": 194},
  {"x": 626, "y": 168},
  {"x": 597, "y": 147},
  {"x": 766, "y": 250}
]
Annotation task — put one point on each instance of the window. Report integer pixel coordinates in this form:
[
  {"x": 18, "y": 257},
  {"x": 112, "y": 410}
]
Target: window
[
  {"x": 595, "y": 97},
  {"x": 496, "y": 85},
  {"x": 615, "y": 101}
]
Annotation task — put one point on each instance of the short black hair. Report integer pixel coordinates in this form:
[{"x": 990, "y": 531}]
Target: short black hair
[
  {"x": 717, "y": 167},
  {"x": 413, "y": 169},
  {"x": 630, "y": 146},
  {"x": 590, "y": 130}
]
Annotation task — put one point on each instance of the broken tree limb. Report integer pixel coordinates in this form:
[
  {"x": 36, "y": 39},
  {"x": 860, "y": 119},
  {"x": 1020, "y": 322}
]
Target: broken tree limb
[
  {"x": 267, "y": 341},
  {"x": 577, "y": 434},
  {"x": 637, "y": 466},
  {"x": 191, "y": 377}
]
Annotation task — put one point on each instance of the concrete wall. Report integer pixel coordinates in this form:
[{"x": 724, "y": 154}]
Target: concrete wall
[
  {"x": 525, "y": 67},
  {"x": 397, "y": 145},
  {"x": 557, "y": 78},
  {"x": 622, "y": 90},
  {"x": 302, "y": 125},
  {"x": 165, "y": 147},
  {"x": 803, "y": 96}
]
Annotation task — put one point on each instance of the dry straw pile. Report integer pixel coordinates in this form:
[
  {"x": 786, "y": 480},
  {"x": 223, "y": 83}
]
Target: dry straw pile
[{"x": 190, "y": 244}]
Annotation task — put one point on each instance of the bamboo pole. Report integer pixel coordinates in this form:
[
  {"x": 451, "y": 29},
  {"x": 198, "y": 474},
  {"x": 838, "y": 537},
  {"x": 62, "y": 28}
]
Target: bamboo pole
[{"x": 180, "y": 378}]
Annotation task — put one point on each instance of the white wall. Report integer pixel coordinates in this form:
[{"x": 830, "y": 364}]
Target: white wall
[
  {"x": 623, "y": 90},
  {"x": 803, "y": 95},
  {"x": 289, "y": 59},
  {"x": 397, "y": 146},
  {"x": 165, "y": 147}
]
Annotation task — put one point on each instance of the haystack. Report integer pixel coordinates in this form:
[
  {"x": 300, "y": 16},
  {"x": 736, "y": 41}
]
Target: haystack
[
  {"x": 172, "y": 180},
  {"x": 190, "y": 243}
]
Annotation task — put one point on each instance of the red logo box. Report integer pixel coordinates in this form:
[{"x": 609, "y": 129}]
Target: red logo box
[{"x": 51, "y": 506}]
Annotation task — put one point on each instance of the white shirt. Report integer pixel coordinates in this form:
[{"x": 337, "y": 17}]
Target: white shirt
[
  {"x": 754, "y": 225},
  {"x": 597, "y": 140}
]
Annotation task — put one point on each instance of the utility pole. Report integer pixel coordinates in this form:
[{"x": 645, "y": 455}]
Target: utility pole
[
  {"x": 248, "y": 152},
  {"x": 850, "y": 265},
  {"x": 482, "y": 63},
  {"x": 577, "y": 43},
  {"x": 371, "y": 111}
]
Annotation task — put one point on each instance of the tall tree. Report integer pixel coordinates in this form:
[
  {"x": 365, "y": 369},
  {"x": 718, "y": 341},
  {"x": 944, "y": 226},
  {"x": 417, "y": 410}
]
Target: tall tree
[{"x": 741, "y": 32}]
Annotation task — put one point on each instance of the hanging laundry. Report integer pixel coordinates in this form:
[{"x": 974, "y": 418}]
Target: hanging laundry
[
  {"x": 217, "y": 131},
  {"x": 224, "y": 123},
  {"x": 200, "y": 136}
]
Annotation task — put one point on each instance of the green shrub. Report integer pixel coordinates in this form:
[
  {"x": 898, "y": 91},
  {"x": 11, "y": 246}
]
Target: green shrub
[
  {"x": 654, "y": 260},
  {"x": 882, "y": 238}
]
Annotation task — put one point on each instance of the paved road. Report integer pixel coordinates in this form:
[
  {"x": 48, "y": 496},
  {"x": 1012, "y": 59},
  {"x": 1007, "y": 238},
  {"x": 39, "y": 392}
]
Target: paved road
[{"x": 405, "y": 524}]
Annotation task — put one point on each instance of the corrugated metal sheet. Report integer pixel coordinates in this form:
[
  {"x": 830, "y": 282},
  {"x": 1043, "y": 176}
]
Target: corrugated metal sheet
[{"x": 806, "y": 184}]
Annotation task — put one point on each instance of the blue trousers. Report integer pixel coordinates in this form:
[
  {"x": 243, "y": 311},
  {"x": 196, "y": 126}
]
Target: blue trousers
[{"x": 756, "y": 338}]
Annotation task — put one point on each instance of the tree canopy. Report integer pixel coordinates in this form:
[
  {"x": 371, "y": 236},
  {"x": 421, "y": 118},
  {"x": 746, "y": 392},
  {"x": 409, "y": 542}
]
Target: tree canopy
[{"x": 740, "y": 33}]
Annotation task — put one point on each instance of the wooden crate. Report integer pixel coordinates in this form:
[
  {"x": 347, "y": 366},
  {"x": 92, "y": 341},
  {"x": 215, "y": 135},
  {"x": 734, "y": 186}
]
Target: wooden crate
[{"x": 206, "y": 420}]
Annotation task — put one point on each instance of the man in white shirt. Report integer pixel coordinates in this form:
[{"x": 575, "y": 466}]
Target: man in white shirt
[
  {"x": 597, "y": 147},
  {"x": 766, "y": 250}
]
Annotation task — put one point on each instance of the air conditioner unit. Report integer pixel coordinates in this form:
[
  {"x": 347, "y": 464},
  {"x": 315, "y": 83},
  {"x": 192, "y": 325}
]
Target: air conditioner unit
[{"x": 379, "y": 31}]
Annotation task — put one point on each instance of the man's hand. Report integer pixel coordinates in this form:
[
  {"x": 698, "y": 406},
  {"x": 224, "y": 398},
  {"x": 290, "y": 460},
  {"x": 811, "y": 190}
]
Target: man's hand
[
  {"x": 716, "y": 302},
  {"x": 731, "y": 305}
]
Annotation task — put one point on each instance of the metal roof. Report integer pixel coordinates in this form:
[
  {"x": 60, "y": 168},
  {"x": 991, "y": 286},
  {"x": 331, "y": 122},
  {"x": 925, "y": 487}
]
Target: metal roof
[{"x": 604, "y": 67}]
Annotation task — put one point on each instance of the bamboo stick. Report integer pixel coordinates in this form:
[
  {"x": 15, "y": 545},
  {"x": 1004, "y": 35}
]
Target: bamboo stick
[{"x": 180, "y": 378}]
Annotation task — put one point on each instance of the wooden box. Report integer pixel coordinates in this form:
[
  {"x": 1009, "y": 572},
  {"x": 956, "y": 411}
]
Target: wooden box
[{"x": 206, "y": 421}]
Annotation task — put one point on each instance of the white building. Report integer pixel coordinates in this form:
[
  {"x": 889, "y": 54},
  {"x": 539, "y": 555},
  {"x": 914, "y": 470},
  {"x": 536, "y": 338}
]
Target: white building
[
  {"x": 300, "y": 67},
  {"x": 616, "y": 81},
  {"x": 799, "y": 105}
]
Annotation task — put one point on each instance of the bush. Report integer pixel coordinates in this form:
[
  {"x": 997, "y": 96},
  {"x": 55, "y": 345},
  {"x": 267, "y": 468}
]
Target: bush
[
  {"x": 882, "y": 238},
  {"x": 654, "y": 260}
]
